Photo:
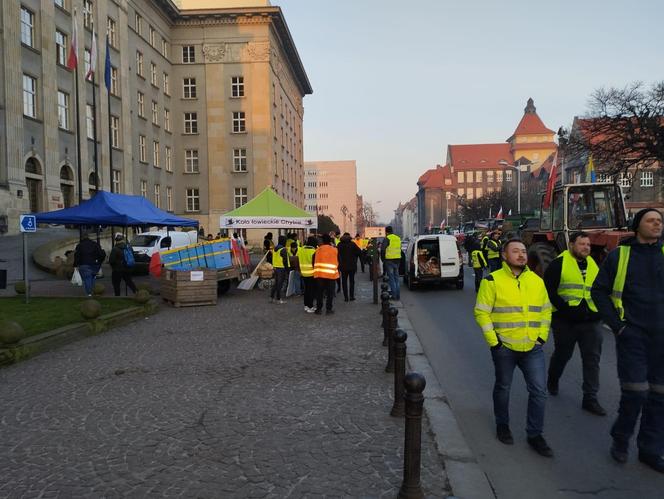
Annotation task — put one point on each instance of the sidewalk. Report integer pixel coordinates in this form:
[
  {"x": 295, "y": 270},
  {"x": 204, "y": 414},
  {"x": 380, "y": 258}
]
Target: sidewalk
[{"x": 245, "y": 399}]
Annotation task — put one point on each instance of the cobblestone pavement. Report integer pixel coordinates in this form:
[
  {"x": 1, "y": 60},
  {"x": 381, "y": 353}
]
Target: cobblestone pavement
[{"x": 245, "y": 399}]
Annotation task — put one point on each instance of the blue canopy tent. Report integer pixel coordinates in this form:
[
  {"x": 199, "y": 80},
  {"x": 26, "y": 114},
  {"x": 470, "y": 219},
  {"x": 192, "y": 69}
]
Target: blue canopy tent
[{"x": 120, "y": 210}]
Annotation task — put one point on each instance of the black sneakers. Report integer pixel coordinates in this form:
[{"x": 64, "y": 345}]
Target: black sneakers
[
  {"x": 593, "y": 407},
  {"x": 540, "y": 446},
  {"x": 619, "y": 451},
  {"x": 552, "y": 387},
  {"x": 504, "y": 434},
  {"x": 653, "y": 460}
]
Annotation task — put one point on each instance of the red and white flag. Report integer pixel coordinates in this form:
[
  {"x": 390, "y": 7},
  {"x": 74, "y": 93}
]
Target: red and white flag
[
  {"x": 93, "y": 56},
  {"x": 442, "y": 224},
  {"x": 499, "y": 215},
  {"x": 548, "y": 194},
  {"x": 72, "y": 59}
]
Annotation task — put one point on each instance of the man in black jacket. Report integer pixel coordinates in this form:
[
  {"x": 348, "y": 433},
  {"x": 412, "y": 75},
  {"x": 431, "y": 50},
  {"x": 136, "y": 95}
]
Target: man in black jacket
[
  {"x": 629, "y": 294},
  {"x": 568, "y": 281},
  {"x": 88, "y": 257},
  {"x": 120, "y": 271}
]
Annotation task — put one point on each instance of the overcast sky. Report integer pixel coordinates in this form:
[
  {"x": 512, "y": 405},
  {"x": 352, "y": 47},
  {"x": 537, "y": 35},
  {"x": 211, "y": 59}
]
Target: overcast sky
[{"x": 396, "y": 81}]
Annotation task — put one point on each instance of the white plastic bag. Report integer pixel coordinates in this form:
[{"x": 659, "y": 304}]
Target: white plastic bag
[{"x": 76, "y": 278}]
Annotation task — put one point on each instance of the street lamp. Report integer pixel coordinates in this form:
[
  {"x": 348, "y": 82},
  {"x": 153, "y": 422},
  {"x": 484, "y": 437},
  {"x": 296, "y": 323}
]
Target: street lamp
[{"x": 516, "y": 167}]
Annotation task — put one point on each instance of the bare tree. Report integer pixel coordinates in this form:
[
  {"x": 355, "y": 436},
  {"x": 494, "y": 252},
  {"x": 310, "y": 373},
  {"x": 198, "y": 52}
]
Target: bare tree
[
  {"x": 368, "y": 215},
  {"x": 624, "y": 128}
]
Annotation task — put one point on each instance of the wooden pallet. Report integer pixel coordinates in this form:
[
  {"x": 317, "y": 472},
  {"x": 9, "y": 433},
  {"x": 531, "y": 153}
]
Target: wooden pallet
[
  {"x": 178, "y": 289},
  {"x": 178, "y": 304}
]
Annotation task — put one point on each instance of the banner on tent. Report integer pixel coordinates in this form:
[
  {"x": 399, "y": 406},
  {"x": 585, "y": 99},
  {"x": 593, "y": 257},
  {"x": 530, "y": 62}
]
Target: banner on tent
[{"x": 268, "y": 222}]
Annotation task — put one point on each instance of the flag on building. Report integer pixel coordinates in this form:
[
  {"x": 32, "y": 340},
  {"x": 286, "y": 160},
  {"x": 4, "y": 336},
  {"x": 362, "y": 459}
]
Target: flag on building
[
  {"x": 548, "y": 194},
  {"x": 72, "y": 59},
  {"x": 93, "y": 56},
  {"x": 499, "y": 215},
  {"x": 442, "y": 224},
  {"x": 509, "y": 213},
  {"x": 591, "y": 176},
  {"x": 107, "y": 65}
]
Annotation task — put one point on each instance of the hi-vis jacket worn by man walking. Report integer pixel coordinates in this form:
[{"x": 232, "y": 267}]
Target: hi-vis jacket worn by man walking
[{"x": 514, "y": 312}]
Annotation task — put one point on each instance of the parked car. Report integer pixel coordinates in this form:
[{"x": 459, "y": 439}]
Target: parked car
[
  {"x": 146, "y": 244},
  {"x": 433, "y": 258}
]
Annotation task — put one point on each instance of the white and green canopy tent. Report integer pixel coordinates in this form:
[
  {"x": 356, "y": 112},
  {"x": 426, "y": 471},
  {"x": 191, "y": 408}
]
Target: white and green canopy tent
[{"x": 268, "y": 210}]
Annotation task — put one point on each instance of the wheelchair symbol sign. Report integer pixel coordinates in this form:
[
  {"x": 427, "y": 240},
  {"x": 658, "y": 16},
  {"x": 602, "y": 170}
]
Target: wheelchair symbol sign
[{"x": 28, "y": 223}]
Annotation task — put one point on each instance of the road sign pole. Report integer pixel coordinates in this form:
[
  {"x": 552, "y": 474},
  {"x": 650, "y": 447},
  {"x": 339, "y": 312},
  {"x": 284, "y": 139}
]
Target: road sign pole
[{"x": 25, "y": 267}]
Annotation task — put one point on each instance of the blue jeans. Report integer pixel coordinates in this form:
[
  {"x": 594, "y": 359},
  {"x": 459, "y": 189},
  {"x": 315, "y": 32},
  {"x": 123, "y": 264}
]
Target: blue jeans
[
  {"x": 88, "y": 273},
  {"x": 532, "y": 365},
  {"x": 640, "y": 359},
  {"x": 391, "y": 268}
]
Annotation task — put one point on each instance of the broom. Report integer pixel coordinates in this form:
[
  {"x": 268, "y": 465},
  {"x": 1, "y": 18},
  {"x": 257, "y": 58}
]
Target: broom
[{"x": 249, "y": 283}]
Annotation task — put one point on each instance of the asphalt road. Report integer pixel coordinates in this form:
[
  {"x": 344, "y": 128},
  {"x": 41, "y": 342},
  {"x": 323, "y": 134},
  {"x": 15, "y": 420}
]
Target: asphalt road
[{"x": 582, "y": 467}]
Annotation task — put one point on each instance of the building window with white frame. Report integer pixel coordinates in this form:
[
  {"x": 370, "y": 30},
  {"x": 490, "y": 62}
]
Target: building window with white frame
[
  {"x": 603, "y": 178},
  {"x": 189, "y": 88},
  {"x": 61, "y": 4},
  {"x": 239, "y": 122},
  {"x": 27, "y": 27},
  {"x": 188, "y": 54},
  {"x": 29, "y": 96},
  {"x": 164, "y": 48},
  {"x": 240, "y": 196},
  {"x": 193, "y": 200},
  {"x": 138, "y": 23},
  {"x": 152, "y": 35},
  {"x": 153, "y": 74},
  {"x": 191, "y": 161},
  {"x": 239, "y": 160},
  {"x": 87, "y": 62},
  {"x": 155, "y": 113},
  {"x": 647, "y": 179},
  {"x": 114, "y": 81},
  {"x": 157, "y": 195},
  {"x": 169, "y": 198},
  {"x": 140, "y": 101},
  {"x": 112, "y": 32},
  {"x": 142, "y": 149},
  {"x": 499, "y": 176},
  {"x": 115, "y": 132},
  {"x": 155, "y": 154},
  {"x": 61, "y": 48},
  {"x": 625, "y": 179},
  {"x": 144, "y": 188},
  {"x": 169, "y": 158},
  {"x": 460, "y": 177},
  {"x": 167, "y": 120},
  {"x": 90, "y": 121},
  {"x": 508, "y": 175},
  {"x": 87, "y": 13},
  {"x": 139, "y": 63},
  {"x": 478, "y": 176},
  {"x": 116, "y": 181},
  {"x": 63, "y": 110},
  {"x": 166, "y": 84},
  {"x": 190, "y": 123},
  {"x": 237, "y": 86},
  {"x": 489, "y": 176}
]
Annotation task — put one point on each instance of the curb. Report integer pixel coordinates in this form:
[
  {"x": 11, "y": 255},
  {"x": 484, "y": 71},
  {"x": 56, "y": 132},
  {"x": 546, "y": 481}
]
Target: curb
[{"x": 466, "y": 478}]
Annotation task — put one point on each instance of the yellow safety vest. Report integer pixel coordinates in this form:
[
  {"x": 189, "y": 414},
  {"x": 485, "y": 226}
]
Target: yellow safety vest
[
  {"x": 619, "y": 280},
  {"x": 305, "y": 256},
  {"x": 572, "y": 287},
  {"x": 393, "y": 250},
  {"x": 277, "y": 260},
  {"x": 514, "y": 311},
  {"x": 288, "y": 244},
  {"x": 477, "y": 259},
  {"x": 491, "y": 253}
]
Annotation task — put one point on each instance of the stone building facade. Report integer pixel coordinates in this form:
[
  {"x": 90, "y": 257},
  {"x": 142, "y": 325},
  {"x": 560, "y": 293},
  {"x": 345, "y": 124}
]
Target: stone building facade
[{"x": 206, "y": 105}]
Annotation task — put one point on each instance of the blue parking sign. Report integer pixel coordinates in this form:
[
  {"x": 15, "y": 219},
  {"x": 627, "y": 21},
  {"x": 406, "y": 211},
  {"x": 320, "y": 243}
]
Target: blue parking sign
[{"x": 28, "y": 223}]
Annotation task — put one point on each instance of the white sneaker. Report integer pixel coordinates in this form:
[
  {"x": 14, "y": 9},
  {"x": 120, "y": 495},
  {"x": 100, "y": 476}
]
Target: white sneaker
[
  {"x": 282, "y": 301},
  {"x": 310, "y": 310}
]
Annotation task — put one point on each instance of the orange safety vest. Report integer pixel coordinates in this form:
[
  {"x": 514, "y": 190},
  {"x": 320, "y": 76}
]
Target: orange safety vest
[{"x": 326, "y": 262}]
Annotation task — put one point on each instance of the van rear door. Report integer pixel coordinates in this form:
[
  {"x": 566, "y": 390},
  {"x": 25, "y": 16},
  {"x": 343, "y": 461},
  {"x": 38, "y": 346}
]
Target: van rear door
[{"x": 449, "y": 258}]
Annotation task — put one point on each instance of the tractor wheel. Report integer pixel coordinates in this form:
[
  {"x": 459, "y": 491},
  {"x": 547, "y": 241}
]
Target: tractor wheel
[{"x": 540, "y": 255}]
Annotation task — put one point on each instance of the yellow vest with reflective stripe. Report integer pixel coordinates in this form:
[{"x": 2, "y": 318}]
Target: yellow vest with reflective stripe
[
  {"x": 305, "y": 256},
  {"x": 514, "y": 311},
  {"x": 572, "y": 287},
  {"x": 277, "y": 260},
  {"x": 326, "y": 262},
  {"x": 619, "y": 280},
  {"x": 491, "y": 253},
  {"x": 477, "y": 259},
  {"x": 393, "y": 250}
]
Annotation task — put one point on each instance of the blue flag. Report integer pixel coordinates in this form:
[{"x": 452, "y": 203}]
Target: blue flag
[{"x": 107, "y": 66}]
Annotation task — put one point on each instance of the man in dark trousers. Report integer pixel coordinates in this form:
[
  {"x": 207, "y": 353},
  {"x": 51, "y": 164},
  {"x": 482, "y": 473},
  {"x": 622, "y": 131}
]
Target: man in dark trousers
[
  {"x": 629, "y": 294},
  {"x": 348, "y": 253},
  {"x": 120, "y": 271},
  {"x": 326, "y": 273},
  {"x": 569, "y": 279},
  {"x": 88, "y": 257}
]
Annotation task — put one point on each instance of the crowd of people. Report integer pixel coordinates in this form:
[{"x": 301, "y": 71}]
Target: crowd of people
[{"x": 515, "y": 310}]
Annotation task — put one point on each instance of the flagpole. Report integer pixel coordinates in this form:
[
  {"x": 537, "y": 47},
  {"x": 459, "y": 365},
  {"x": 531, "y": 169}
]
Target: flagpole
[
  {"x": 107, "y": 78},
  {"x": 94, "y": 132}
]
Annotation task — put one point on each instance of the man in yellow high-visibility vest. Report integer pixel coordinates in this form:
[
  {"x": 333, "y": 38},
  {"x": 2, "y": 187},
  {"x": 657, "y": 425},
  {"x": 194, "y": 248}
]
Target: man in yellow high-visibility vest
[
  {"x": 514, "y": 312},
  {"x": 391, "y": 260},
  {"x": 629, "y": 294},
  {"x": 306, "y": 258}
]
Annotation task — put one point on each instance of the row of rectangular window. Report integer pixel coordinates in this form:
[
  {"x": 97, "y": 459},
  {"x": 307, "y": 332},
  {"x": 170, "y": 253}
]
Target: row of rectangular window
[
  {"x": 157, "y": 195},
  {"x": 152, "y": 35},
  {"x": 193, "y": 198}
]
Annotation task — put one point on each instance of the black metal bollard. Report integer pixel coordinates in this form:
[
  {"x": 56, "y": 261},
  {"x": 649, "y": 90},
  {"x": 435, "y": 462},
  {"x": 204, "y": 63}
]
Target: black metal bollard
[
  {"x": 384, "y": 289},
  {"x": 399, "y": 406},
  {"x": 386, "y": 315},
  {"x": 392, "y": 325},
  {"x": 411, "y": 488}
]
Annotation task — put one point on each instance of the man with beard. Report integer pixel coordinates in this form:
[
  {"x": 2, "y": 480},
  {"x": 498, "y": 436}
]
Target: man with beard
[
  {"x": 569, "y": 279},
  {"x": 514, "y": 312}
]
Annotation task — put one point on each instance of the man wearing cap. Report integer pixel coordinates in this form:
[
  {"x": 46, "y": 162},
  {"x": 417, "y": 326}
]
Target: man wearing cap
[{"x": 629, "y": 295}]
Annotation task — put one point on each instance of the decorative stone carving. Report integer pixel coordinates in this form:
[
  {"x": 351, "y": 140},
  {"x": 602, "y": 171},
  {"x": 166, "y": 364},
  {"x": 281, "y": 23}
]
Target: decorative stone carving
[
  {"x": 258, "y": 51},
  {"x": 215, "y": 53}
]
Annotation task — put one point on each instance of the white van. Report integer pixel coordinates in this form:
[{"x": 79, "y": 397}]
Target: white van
[
  {"x": 147, "y": 243},
  {"x": 433, "y": 258}
]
